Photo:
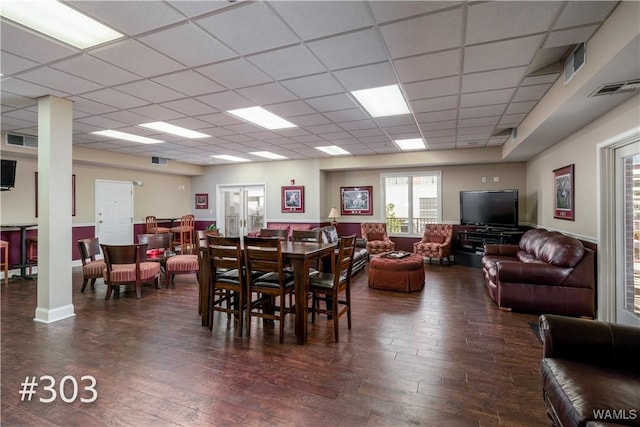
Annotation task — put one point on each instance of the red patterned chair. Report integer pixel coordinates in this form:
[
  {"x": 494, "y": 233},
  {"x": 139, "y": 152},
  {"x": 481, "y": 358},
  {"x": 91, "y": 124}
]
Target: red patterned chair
[
  {"x": 378, "y": 241},
  {"x": 126, "y": 264},
  {"x": 436, "y": 242}
]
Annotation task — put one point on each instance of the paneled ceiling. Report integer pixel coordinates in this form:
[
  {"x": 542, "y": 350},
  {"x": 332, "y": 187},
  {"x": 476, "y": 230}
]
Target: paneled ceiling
[{"x": 469, "y": 70}]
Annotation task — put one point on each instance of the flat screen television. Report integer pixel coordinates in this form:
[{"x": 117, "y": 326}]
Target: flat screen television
[
  {"x": 490, "y": 208},
  {"x": 7, "y": 174}
]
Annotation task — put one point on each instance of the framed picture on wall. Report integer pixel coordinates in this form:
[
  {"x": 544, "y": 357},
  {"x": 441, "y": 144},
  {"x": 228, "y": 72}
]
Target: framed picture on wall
[
  {"x": 356, "y": 201},
  {"x": 563, "y": 193},
  {"x": 293, "y": 198},
  {"x": 202, "y": 201}
]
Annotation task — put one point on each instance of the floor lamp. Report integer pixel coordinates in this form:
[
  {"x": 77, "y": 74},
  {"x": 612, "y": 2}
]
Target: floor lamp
[{"x": 333, "y": 214}]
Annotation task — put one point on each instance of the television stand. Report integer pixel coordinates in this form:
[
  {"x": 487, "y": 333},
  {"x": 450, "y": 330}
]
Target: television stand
[{"x": 472, "y": 240}]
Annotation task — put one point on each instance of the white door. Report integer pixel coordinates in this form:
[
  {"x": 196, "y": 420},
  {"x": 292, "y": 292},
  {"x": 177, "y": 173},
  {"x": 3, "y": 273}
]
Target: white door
[
  {"x": 627, "y": 172},
  {"x": 114, "y": 212},
  {"x": 240, "y": 209}
]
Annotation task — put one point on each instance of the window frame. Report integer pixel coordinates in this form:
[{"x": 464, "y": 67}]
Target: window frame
[{"x": 410, "y": 175}]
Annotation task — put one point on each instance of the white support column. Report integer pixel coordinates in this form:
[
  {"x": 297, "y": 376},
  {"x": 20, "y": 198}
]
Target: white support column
[{"x": 55, "y": 154}]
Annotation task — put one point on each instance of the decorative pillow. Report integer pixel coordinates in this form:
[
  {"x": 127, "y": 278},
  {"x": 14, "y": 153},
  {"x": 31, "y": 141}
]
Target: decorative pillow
[
  {"x": 375, "y": 236},
  {"x": 436, "y": 238},
  {"x": 331, "y": 234}
]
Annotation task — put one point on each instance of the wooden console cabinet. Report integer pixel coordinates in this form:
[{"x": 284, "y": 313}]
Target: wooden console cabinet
[{"x": 469, "y": 241}]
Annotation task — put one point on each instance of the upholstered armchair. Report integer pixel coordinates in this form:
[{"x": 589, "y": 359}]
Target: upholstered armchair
[
  {"x": 378, "y": 241},
  {"x": 436, "y": 242}
]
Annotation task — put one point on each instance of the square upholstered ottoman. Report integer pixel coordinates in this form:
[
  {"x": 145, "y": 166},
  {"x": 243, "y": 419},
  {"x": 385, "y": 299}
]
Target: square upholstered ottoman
[{"x": 392, "y": 273}]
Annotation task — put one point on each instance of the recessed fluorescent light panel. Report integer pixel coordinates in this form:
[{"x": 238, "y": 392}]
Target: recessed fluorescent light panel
[
  {"x": 268, "y": 155},
  {"x": 382, "y": 101},
  {"x": 230, "y": 158},
  {"x": 127, "y": 136},
  {"x": 410, "y": 144},
  {"x": 333, "y": 150},
  {"x": 174, "y": 130},
  {"x": 59, "y": 21},
  {"x": 261, "y": 117}
]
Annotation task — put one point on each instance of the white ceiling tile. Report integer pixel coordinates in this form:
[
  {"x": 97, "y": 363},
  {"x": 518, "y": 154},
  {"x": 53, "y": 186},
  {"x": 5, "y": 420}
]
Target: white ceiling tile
[
  {"x": 189, "y": 45},
  {"x": 425, "y": 34},
  {"x": 535, "y": 80},
  {"x": 102, "y": 122},
  {"x": 311, "y": 120},
  {"x": 190, "y": 123},
  {"x": 350, "y": 115},
  {"x": 430, "y": 127},
  {"x": 501, "y": 20},
  {"x": 584, "y": 12},
  {"x": 126, "y": 117},
  {"x": 531, "y": 93},
  {"x": 502, "y": 54},
  {"x": 362, "y": 128},
  {"x": 320, "y": 129},
  {"x": 570, "y": 36},
  {"x": 436, "y": 116},
  {"x": 15, "y": 101},
  {"x": 435, "y": 104},
  {"x": 402, "y": 120},
  {"x": 490, "y": 110},
  {"x": 189, "y": 107},
  {"x": 95, "y": 70},
  {"x": 156, "y": 112},
  {"x": 311, "y": 86},
  {"x": 234, "y": 74},
  {"x": 220, "y": 119},
  {"x": 137, "y": 58},
  {"x": 149, "y": 91},
  {"x": 318, "y": 19},
  {"x": 498, "y": 79},
  {"x": 400, "y": 130},
  {"x": 115, "y": 98},
  {"x": 225, "y": 101},
  {"x": 189, "y": 83},
  {"x": 389, "y": 11},
  {"x": 431, "y": 66},
  {"x": 196, "y": 8},
  {"x": 291, "y": 109},
  {"x": 512, "y": 118},
  {"x": 12, "y": 63},
  {"x": 331, "y": 103},
  {"x": 432, "y": 88},
  {"x": 367, "y": 76},
  {"x": 28, "y": 89},
  {"x": 249, "y": 28},
  {"x": 349, "y": 50},
  {"x": 481, "y": 131},
  {"x": 288, "y": 62},
  {"x": 480, "y": 121},
  {"x": 266, "y": 94},
  {"x": 90, "y": 106},
  {"x": 475, "y": 99},
  {"x": 520, "y": 107},
  {"x": 124, "y": 16},
  {"x": 29, "y": 45},
  {"x": 53, "y": 78}
]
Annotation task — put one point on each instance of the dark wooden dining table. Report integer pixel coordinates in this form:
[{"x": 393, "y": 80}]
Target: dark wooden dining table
[{"x": 299, "y": 255}]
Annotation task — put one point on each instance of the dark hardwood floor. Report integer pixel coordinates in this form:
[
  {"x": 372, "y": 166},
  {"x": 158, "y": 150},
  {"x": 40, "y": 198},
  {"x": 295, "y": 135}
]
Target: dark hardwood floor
[{"x": 445, "y": 356}]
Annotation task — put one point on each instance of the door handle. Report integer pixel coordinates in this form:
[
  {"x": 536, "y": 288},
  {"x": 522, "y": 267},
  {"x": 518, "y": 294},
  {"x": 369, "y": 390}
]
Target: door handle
[{"x": 100, "y": 222}]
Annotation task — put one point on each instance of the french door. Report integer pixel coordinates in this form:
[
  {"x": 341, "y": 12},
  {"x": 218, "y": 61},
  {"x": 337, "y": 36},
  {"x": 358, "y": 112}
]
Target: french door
[
  {"x": 627, "y": 176},
  {"x": 240, "y": 209}
]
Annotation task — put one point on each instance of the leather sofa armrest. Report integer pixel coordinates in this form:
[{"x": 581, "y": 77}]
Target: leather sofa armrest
[
  {"x": 531, "y": 272},
  {"x": 361, "y": 243},
  {"x": 591, "y": 341},
  {"x": 501, "y": 250}
]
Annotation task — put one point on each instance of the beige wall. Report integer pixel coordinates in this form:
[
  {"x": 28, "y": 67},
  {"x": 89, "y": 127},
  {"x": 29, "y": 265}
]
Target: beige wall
[
  {"x": 163, "y": 195},
  {"x": 578, "y": 149}
]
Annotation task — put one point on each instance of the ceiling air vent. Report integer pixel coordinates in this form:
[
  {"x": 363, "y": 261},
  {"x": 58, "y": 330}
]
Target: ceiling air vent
[
  {"x": 620, "y": 87},
  {"x": 162, "y": 161},
  {"x": 574, "y": 62},
  {"x": 21, "y": 140}
]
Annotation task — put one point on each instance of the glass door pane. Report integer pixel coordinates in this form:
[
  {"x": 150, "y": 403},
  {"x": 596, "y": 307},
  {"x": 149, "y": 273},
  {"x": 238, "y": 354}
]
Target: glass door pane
[
  {"x": 242, "y": 209},
  {"x": 628, "y": 234},
  {"x": 255, "y": 208}
]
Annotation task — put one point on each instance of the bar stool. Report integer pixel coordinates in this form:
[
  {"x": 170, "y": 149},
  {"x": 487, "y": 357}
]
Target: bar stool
[
  {"x": 32, "y": 252},
  {"x": 152, "y": 226},
  {"x": 4, "y": 260}
]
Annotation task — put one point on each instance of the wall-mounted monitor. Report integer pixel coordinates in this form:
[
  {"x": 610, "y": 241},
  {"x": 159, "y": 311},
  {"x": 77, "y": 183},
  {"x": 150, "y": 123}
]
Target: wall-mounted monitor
[
  {"x": 7, "y": 174},
  {"x": 489, "y": 208}
]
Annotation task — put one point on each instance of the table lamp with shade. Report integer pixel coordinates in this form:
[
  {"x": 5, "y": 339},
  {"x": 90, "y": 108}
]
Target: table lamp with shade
[{"x": 333, "y": 214}]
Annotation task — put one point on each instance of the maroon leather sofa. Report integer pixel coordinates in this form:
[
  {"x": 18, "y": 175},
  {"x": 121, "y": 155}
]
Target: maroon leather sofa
[
  {"x": 547, "y": 272},
  {"x": 590, "y": 372}
]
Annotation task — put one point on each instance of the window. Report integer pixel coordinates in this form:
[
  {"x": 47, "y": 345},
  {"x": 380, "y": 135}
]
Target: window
[{"x": 410, "y": 201}]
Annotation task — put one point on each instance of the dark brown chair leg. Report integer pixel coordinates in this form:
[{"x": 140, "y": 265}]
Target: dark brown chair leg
[
  {"x": 109, "y": 290},
  {"x": 93, "y": 282},
  {"x": 84, "y": 284}
]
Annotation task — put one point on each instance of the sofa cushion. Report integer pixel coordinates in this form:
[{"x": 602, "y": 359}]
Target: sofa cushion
[
  {"x": 563, "y": 251},
  {"x": 330, "y": 234},
  {"x": 434, "y": 238},
  {"x": 375, "y": 236}
]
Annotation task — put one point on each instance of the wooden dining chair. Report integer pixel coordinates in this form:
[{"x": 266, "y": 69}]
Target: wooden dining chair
[
  {"x": 228, "y": 281},
  {"x": 156, "y": 240},
  {"x": 32, "y": 252},
  {"x": 183, "y": 234},
  {"x": 92, "y": 267},
  {"x": 152, "y": 226},
  {"x": 328, "y": 287},
  {"x": 126, "y": 264},
  {"x": 309, "y": 236},
  {"x": 268, "y": 281},
  {"x": 271, "y": 232},
  {"x": 186, "y": 263}
]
